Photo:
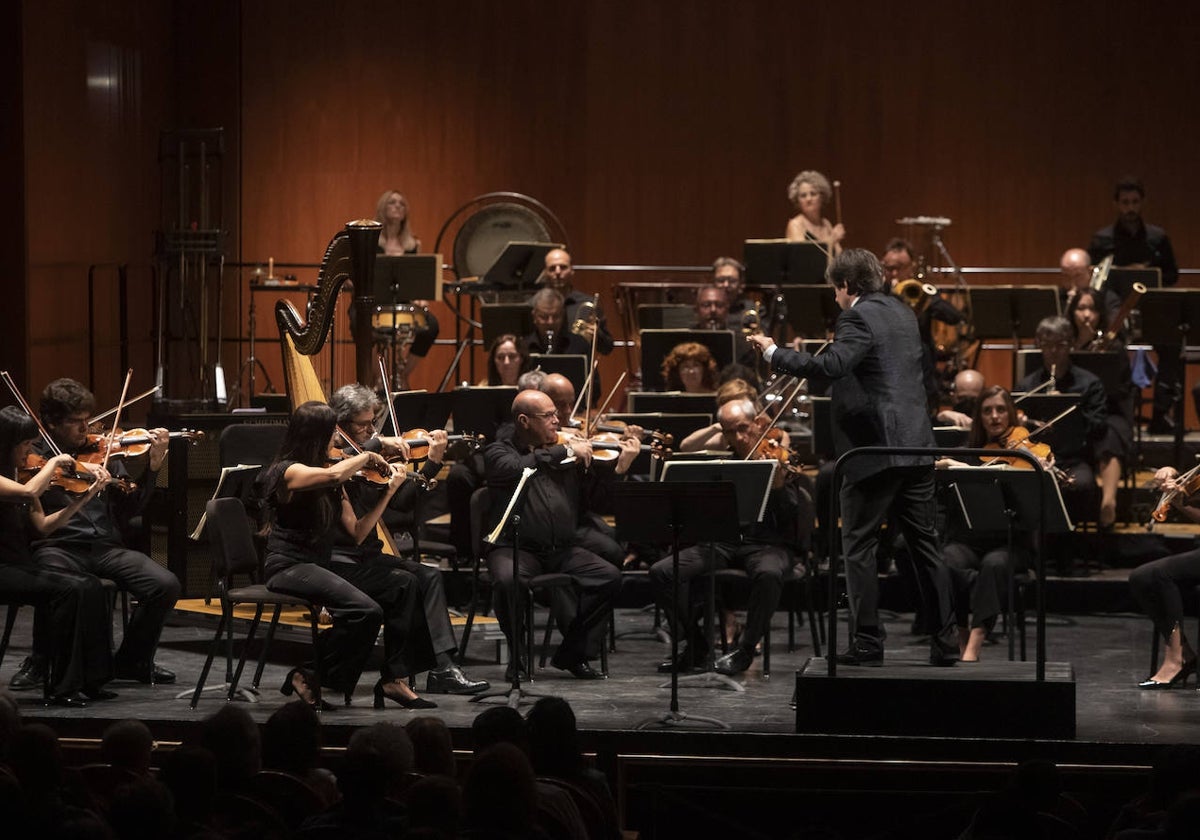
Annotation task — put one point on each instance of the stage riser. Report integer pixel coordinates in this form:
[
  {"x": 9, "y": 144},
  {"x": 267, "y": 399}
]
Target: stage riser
[{"x": 926, "y": 701}]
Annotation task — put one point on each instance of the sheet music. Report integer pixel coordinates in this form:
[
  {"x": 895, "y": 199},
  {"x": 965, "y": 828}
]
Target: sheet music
[
  {"x": 508, "y": 509},
  {"x": 225, "y": 471}
]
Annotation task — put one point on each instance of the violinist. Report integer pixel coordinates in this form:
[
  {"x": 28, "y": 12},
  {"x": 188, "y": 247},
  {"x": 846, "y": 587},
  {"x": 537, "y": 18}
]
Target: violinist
[
  {"x": 553, "y": 500},
  {"x": 1075, "y": 456},
  {"x": 75, "y": 605},
  {"x": 1159, "y": 587},
  {"x": 307, "y": 506},
  {"x": 767, "y": 551},
  {"x": 968, "y": 385},
  {"x": 712, "y": 436},
  {"x": 422, "y": 633},
  {"x": 1115, "y": 448},
  {"x": 92, "y": 542},
  {"x": 979, "y": 561}
]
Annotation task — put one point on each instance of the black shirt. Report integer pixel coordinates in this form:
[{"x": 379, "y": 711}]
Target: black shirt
[{"x": 1147, "y": 245}]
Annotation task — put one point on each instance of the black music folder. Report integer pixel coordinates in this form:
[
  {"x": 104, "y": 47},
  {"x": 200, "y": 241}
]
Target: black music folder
[
  {"x": 519, "y": 266},
  {"x": 771, "y": 262},
  {"x": 407, "y": 278}
]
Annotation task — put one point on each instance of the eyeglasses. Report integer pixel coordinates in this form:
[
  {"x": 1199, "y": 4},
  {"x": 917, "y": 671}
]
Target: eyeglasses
[{"x": 545, "y": 415}]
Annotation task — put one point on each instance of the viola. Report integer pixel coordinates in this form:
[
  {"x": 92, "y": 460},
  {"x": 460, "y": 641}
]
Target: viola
[{"x": 771, "y": 448}]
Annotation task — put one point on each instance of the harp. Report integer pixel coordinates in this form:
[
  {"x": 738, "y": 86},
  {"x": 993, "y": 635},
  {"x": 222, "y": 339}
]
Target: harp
[{"x": 350, "y": 256}]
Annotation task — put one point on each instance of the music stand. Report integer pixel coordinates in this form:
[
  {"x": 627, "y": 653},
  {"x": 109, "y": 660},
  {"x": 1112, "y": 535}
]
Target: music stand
[
  {"x": 1168, "y": 316},
  {"x": 1012, "y": 312},
  {"x": 408, "y": 278},
  {"x": 656, "y": 344},
  {"x": 574, "y": 366},
  {"x": 812, "y": 310},
  {"x": 1121, "y": 280},
  {"x": 661, "y": 513},
  {"x": 673, "y": 402},
  {"x": 519, "y": 266},
  {"x": 665, "y": 316},
  {"x": 991, "y": 499},
  {"x": 511, "y": 519},
  {"x": 752, "y": 487},
  {"x": 420, "y": 410},
  {"x": 482, "y": 409},
  {"x": 504, "y": 319},
  {"x": 772, "y": 262}
]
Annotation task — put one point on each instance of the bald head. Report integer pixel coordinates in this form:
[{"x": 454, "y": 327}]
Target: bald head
[
  {"x": 558, "y": 271},
  {"x": 968, "y": 384},
  {"x": 535, "y": 418},
  {"x": 562, "y": 393},
  {"x": 737, "y": 425},
  {"x": 1076, "y": 268}
]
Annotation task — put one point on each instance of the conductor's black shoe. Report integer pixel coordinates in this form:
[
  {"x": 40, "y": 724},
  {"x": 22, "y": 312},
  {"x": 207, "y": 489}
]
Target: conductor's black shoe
[
  {"x": 29, "y": 676},
  {"x": 734, "y": 662},
  {"x": 862, "y": 653},
  {"x": 580, "y": 670},
  {"x": 453, "y": 681},
  {"x": 99, "y": 693},
  {"x": 145, "y": 672},
  {"x": 942, "y": 652}
]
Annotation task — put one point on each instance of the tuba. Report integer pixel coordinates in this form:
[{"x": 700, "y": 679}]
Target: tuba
[
  {"x": 350, "y": 256},
  {"x": 916, "y": 294}
]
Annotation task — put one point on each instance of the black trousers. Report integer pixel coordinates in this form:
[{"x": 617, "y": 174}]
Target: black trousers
[
  {"x": 766, "y": 565},
  {"x": 581, "y": 616},
  {"x": 907, "y": 493},
  {"x": 980, "y": 580},
  {"x": 1158, "y": 588},
  {"x": 346, "y": 645},
  {"x": 155, "y": 589},
  {"x": 78, "y": 622},
  {"x": 406, "y": 646}
]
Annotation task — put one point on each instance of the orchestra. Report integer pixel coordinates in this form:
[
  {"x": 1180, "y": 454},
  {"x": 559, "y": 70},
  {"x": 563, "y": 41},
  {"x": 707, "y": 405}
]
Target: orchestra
[{"x": 75, "y": 499}]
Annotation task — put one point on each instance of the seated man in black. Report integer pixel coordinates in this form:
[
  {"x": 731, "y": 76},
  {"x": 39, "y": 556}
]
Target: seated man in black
[
  {"x": 550, "y": 334},
  {"x": 1075, "y": 456},
  {"x": 428, "y": 638},
  {"x": 92, "y": 542},
  {"x": 766, "y": 552},
  {"x": 547, "y": 531}
]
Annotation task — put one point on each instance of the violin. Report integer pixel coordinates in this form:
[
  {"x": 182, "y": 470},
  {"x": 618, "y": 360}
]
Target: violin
[
  {"x": 1186, "y": 484},
  {"x": 132, "y": 443},
  {"x": 1017, "y": 437},
  {"x": 606, "y": 446},
  {"x": 418, "y": 441},
  {"x": 621, "y": 429},
  {"x": 70, "y": 478}
]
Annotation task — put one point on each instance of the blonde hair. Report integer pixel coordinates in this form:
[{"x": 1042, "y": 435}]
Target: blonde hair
[
  {"x": 408, "y": 240},
  {"x": 818, "y": 181}
]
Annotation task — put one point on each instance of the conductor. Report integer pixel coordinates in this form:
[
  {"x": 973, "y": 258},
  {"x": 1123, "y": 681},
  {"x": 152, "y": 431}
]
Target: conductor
[{"x": 878, "y": 400}]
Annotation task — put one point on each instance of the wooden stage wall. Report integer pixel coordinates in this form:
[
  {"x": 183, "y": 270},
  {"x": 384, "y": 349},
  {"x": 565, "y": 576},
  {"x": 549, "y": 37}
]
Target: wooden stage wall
[{"x": 658, "y": 132}]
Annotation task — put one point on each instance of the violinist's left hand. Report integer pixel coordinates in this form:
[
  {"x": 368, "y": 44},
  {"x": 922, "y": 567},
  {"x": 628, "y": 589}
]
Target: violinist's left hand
[
  {"x": 629, "y": 451},
  {"x": 634, "y": 432},
  {"x": 159, "y": 439},
  {"x": 438, "y": 441},
  {"x": 761, "y": 342}
]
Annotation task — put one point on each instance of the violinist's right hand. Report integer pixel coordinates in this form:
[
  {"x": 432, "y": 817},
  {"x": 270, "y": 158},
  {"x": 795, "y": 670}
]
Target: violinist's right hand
[
  {"x": 1165, "y": 478},
  {"x": 64, "y": 462},
  {"x": 954, "y": 418},
  {"x": 394, "y": 447}
]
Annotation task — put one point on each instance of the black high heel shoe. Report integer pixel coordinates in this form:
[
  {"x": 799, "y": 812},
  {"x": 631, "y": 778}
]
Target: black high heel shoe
[
  {"x": 288, "y": 688},
  {"x": 405, "y": 702},
  {"x": 1179, "y": 680}
]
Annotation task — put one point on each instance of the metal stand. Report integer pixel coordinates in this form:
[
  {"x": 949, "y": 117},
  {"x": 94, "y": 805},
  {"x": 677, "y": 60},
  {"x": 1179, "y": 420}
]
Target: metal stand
[{"x": 672, "y": 512}]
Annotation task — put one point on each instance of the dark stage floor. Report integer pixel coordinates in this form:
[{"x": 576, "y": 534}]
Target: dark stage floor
[{"x": 1109, "y": 653}]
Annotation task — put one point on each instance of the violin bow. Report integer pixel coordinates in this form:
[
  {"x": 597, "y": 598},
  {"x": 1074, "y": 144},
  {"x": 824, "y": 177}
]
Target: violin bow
[
  {"x": 131, "y": 401},
  {"x": 800, "y": 383},
  {"x": 1052, "y": 421},
  {"x": 16, "y": 392},
  {"x": 117, "y": 418},
  {"x": 590, "y": 428},
  {"x": 587, "y": 383}
]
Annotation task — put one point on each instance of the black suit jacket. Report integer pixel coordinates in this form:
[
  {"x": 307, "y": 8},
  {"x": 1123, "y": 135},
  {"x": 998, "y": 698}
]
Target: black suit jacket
[{"x": 878, "y": 395}]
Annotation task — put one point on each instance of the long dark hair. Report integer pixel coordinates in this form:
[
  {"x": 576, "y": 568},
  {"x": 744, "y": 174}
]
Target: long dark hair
[
  {"x": 978, "y": 435},
  {"x": 1097, "y": 304},
  {"x": 522, "y": 351},
  {"x": 15, "y": 427},
  {"x": 306, "y": 442}
]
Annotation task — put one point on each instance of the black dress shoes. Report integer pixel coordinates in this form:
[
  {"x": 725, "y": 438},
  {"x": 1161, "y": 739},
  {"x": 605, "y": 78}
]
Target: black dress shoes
[
  {"x": 145, "y": 672},
  {"x": 453, "y": 681},
  {"x": 861, "y": 652},
  {"x": 74, "y": 700},
  {"x": 943, "y": 649},
  {"x": 734, "y": 662},
  {"x": 30, "y": 675},
  {"x": 682, "y": 664},
  {"x": 99, "y": 693},
  {"x": 580, "y": 670}
]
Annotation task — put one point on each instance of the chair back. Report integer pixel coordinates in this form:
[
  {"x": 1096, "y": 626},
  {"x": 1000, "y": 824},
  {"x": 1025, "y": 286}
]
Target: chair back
[
  {"x": 232, "y": 539},
  {"x": 481, "y": 502}
]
